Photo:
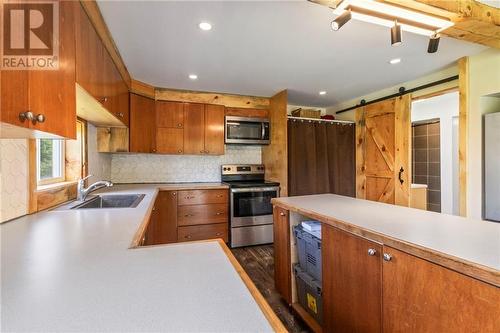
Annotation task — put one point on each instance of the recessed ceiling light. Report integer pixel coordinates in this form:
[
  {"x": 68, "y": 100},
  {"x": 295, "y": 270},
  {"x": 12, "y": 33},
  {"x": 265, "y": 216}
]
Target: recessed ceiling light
[
  {"x": 205, "y": 26},
  {"x": 395, "y": 61},
  {"x": 322, "y": 93},
  {"x": 193, "y": 76}
]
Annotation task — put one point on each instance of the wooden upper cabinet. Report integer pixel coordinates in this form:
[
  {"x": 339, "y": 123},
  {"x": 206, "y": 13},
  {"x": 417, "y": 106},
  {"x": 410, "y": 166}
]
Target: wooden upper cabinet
[
  {"x": 96, "y": 72},
  {"x": 420, "y": 296},
  {"x": 214, "y": 129},
  {"x": 194, "y": 128},
  {"x": 246, "y": 112},
  {"x": 142, "y": 124},
  {"x": 169, "y": 114},
  {"x": 50, "y": 93},
  {"x": 169, "y": 140},
  {"x": 352, "y": 282}
]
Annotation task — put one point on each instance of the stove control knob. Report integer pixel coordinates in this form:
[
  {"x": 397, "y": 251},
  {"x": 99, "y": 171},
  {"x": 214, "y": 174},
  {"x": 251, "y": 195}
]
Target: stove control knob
[{"x": 224, "y": 169}]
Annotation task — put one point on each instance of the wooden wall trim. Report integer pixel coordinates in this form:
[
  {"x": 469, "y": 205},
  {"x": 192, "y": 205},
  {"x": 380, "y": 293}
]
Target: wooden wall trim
[
  {"x": 360, "y": 153},
  {"x": 32, "y": 202},
  {"x": 228, "y": 100},
  {"x": 275, "y": 155},
  {"x": 95, "y": 16},
  {"x": 463, "y": 132},
  {"x": 143, "y": 89}
]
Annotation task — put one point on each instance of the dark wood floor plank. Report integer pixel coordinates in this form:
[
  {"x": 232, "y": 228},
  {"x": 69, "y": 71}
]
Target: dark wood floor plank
[{"x": 258, "y": 263}]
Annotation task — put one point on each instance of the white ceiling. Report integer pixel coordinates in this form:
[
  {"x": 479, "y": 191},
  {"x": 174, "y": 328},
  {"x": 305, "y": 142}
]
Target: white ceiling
[{"x": 260, "y": 48}]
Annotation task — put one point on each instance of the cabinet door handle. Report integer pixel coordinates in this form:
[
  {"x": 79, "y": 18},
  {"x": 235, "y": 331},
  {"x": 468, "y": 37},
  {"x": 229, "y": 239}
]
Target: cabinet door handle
[
  {"x": 387, "y": 257},
  {"x": 189, "y": 197},
  {"x": 187, "y": 237},
  {"x": 120, "y": 114},
  {"x": 174, "y": 193},
  {"x": 372, "y": 252},
  {"x": 179, "y": 125},
  {"x": 188, "y": 215},
  {"x": 153, "y": 150},
  {"x": 219, "y": 195},
  {"x": 40, "y": 118},
  {"x": 400, "y": 175},
  {"x": 104, "y": 99},
  {"x": 179, "y": 151},
  {"x": 282, "y": 214},
  {"x": 218, "y": 213},
  {"x": 28, "y": 115},
  {"x": 206, "y": 151},
  {"x": 218, "y": 234}
]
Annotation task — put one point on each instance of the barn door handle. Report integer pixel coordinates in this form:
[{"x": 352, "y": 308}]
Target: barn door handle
[{"x": 400, "y": 174}]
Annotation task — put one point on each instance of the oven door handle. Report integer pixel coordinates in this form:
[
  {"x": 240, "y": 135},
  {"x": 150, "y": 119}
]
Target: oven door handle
[{"x": 255, "y": 189}]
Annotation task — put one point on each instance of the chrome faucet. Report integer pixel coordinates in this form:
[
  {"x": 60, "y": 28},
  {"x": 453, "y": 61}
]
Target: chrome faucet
[{"x": 82, "y": 192}]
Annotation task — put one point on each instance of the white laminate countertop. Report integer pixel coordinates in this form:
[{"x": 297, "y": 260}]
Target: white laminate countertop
[
  {"x": 473, "y": 241},
  {"x": 72, "y": 270}
]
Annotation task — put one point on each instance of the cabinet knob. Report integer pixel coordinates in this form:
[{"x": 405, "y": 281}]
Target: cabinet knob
[
  {"x": 28, "y": 115},
  {"x": 188, "y": 215},
  {"x": 153, "y": 150},
  {"x": 179, "y": 125},
  {"x": 179, "y": 151},
  {"x": 372, "y": 252},
  {"x": 104, "y": 99},
  {"x": 40, "y": 118},
  {"x": 206, "y": 151},
  {"x": 202, "y": 151},
  {"x": 174, "y": 193},
  {"x": 187, "y": 237},
  {"x": 218, "y": 234},
  {"x": 218, "y": 213},
  {"x": 120, "y": 114},
  {"x": 282, "y": 214},
  {"x": 387, "y": 257}
]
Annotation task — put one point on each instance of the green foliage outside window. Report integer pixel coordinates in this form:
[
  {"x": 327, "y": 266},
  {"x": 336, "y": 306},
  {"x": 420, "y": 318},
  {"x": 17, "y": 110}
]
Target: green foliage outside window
[{"x": 46, "y": 159}]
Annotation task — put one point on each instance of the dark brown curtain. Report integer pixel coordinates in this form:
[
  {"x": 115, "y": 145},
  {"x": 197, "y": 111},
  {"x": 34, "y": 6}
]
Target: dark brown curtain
[{"x": 321, "y": 158}]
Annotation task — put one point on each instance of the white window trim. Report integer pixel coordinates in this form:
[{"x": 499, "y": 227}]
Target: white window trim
[{"x": 47, "y": 181}]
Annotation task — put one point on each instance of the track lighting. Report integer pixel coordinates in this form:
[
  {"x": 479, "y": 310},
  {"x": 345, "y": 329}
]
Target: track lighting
[
  {"x": 341, "y": 20},
  {"x": 396, "y": 35},
  {"x": 433, "y": 43}
]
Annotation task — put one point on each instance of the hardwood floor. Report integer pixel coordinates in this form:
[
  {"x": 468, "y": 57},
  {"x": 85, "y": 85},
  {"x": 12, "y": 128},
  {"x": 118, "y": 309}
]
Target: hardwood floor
[{"x": 258, "y": 262}]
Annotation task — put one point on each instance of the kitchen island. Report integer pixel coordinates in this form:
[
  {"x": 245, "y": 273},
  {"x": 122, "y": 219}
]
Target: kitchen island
[
  {"x": 390, "y": 268},
  {"x": 75, "y": 270}
]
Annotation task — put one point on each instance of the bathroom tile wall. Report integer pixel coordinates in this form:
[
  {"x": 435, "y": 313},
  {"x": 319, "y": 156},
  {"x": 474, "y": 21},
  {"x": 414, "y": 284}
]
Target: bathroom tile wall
[{"x": 136, "y": 168}]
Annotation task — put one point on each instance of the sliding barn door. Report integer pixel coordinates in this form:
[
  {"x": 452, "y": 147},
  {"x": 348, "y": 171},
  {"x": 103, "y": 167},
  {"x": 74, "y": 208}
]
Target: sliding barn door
[{"x": 383, "y": 170}]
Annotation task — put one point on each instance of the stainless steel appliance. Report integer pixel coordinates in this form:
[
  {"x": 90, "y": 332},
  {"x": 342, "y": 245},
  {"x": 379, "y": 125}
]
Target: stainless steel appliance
[
  {"x": 251, "y": 212},
  {"x": 244, "y": 130},
  {"x": 491, "y": 167}
]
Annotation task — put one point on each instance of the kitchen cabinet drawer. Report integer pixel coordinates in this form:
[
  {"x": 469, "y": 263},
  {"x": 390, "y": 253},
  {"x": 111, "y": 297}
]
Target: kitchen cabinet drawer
[
  {"x": 201, "y": 197},
  {"x": 202, "y": 214},
  {"x": 209, "y": 231}
]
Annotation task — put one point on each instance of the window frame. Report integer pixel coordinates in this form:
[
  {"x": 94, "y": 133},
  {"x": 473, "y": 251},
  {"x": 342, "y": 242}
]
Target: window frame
[{"x": 62, "y": 161}]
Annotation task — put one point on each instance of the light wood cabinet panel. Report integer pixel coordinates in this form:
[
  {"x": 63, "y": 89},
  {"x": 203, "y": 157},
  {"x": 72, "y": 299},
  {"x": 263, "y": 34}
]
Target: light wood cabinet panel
[
  {"x": 14, "y": 98},
  {"x": 420, "y": 296},
  {"x": 169, "y": 140},
  {"x": 202, "y": 214},
  {"x": 150, "y": 238},
  {"x": 282, "y": 258},
  {"x": 142, "y": 124},
  {"x": 246, "y": 112},
  {"x": 169, "y": 114},
  {"x": 194, "y": 128},
  {"x": 214, "y": 129},
  {"x": 352, "y": 282},
  {"x": 201, "y": 232},
  {"x": 199, "y": 197}
]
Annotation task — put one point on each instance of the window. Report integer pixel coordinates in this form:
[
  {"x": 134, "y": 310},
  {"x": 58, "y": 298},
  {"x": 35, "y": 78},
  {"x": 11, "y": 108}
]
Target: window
[{"x": 50, "y": 161}]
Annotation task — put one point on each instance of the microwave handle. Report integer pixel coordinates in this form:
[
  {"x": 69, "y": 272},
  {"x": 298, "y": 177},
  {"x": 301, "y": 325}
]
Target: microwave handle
[{"x": 263, "y": 135}]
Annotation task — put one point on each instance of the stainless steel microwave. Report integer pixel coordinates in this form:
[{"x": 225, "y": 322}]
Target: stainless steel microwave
[{"x": 243, "y": 130}]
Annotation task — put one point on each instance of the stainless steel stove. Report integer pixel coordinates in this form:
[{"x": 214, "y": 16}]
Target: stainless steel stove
[{"x": 251, "y": 211}]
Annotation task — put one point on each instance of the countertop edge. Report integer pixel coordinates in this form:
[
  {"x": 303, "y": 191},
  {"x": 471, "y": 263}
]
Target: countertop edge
[{"x": 471, "y": 269}]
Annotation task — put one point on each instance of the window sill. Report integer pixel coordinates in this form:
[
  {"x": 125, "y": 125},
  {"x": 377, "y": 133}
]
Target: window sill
[{"x": 55, "y": 186}]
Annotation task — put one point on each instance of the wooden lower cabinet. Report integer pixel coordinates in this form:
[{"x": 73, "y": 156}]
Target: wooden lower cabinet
[
  {"x": 352, "y": 282},
  {"x": 173, "y": 221},
  {"x": 420, "y": 296},
  {"x": 282, "y": 258},
  {"x": 208, "y": 231},
  {"x": 162, "y": 228}
]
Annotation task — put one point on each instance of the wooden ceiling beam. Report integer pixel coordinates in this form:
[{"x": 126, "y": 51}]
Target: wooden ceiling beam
[{"x": 474, "y": 21}]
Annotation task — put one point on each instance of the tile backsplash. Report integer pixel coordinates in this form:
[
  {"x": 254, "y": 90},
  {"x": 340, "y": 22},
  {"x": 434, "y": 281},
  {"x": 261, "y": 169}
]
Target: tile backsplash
[
  {"x": 99, "y": 164},
  {"x": 13, "y": 178},
  {"x": 134, "y": 168}
]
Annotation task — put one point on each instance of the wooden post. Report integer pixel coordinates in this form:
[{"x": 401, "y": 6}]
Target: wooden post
[{"x": 463, "y": 133}]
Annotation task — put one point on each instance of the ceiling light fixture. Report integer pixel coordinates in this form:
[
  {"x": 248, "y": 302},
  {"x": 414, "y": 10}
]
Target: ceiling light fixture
[
  {"x": 205, "y": 26},
  {"x": 433, "y": 43},
  {"x": 384, "y": 14},
  {"x": 396, "y": 34},
  {"x": 341, "y": 20},
  {"x": 395, "y": 61},
  {"x": 322, "y": 93},
  {"x": 193, "y": 76}
]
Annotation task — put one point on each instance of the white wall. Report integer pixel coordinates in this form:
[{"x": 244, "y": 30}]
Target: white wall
[
  {"x": 484, "y": 81},
  {"x": 13, "y": 178},
  {"x": 439, "y": 75},
  {"x": 150, "y": 168},
  {"x": 99, "y": 164},
  {"x": 444, "y": 107}
]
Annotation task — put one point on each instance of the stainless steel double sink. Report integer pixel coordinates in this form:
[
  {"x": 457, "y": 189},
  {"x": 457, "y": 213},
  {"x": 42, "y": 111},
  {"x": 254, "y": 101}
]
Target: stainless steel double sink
[{"x": 111, "y": 201}]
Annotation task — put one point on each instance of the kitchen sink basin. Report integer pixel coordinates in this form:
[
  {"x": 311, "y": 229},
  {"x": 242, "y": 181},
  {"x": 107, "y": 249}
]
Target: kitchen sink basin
[{"x": 112, "y": 201}]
